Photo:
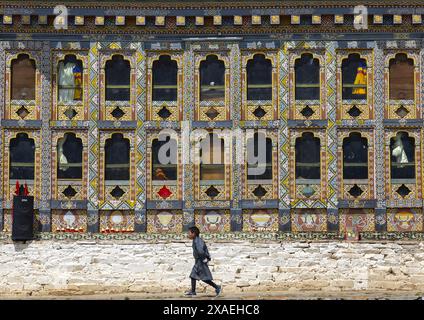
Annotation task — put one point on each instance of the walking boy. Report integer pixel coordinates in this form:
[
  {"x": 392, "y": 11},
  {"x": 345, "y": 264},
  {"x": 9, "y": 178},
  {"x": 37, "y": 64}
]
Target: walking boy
[{"x": 200, "y": 269}]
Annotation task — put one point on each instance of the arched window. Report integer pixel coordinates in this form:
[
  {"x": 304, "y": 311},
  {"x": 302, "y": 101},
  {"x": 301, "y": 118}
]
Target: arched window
[
  {"x": 117, "y": 158},
  {"x": 308, "y": 157},
  {"x": 22, "y": 155},
  {"x": 355, "y": 157},
  {"x": 259, "y": 78},
  {"x": 165, "y": 73},
  {"x": 354, "y": 78},
  {"x": 401, "y": 78},
  {"x": 164, "y": 161},
  {"x": 259, "y": 157},
  {"x": 23, "y": 78},
  {"x": 118, "y": 71},
  {"x": 212, "y": 158},
  {"x": 69, "y": 157},
  {"x": 212, "y": 79},
  {"x": 307, "y": 82},
  {"x": 69, "y": 84},
  {"x": 402, "y": 152}
]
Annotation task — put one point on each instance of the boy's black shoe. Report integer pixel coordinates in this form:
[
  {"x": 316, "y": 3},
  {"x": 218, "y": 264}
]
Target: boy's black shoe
[
  {"x": 190, "y": 293},
  {"x": 218, "y": 290}
]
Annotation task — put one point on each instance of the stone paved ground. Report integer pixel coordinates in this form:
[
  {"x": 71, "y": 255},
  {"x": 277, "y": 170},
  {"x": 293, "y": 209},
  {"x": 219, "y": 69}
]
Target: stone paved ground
[{"x": 276, "y": 295}]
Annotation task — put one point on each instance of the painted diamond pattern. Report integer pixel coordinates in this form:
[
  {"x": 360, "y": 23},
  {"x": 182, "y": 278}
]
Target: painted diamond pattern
[
  {"x": 260, "y": 192},
  {"x": 354, "y": 111},
  {"x": 307, "y": 112},
  {"x": 70, "y": 113},
  {"x": 402, "y": 111},
  {"x": 403, "y": 191},
  {"x": 259, "y": 112},
  {"x": 69, "y": 192},
  {"x": 22, "y": 112},
  {"x": 212, "y": 192},
  {"x": 212, "y": 113}
]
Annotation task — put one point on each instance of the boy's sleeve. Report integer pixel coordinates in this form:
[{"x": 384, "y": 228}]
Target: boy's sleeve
[{"x": 200, "y": 247}]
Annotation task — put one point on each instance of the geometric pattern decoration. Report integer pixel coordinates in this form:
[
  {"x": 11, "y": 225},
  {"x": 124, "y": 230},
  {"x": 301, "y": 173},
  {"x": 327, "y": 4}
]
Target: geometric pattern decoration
[
  {"x": 69, "y": 221},
  {"x": 212, "y": 221},
  {"x": 404, "y": 220},
  {"x": 112, "y": 221},
  {"x": 260, "y": 220},
  {"x": 363, "y": 220},
  {"x": 164, "y": 221},
  {"x": 309, "y": 220}
]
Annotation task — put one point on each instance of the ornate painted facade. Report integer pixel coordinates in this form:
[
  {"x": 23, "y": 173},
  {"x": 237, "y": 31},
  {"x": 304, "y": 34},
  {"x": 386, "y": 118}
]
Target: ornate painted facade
[{"x": 187, "y": 35}]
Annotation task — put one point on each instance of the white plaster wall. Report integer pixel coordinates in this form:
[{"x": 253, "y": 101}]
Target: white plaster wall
[{"x": 66, "y": 267}]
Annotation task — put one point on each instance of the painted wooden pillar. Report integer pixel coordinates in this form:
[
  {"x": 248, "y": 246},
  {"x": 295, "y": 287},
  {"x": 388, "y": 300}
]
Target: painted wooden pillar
[
  {"x": 186, "y": 127},
  {"x": 45, "y": 71},
  {"x": 140, "y": 109},
  {"x": 331, "y": 105},
  {"x": 380, "y": 210},
  {"x": 93, "y": 140},
  {"x": 236, "y": 146},
  {"x": 283, "y": 140}
]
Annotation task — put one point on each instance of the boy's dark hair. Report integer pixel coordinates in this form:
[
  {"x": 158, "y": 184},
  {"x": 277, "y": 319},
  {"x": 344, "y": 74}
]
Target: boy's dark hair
[{"x": 195, "y": 230}]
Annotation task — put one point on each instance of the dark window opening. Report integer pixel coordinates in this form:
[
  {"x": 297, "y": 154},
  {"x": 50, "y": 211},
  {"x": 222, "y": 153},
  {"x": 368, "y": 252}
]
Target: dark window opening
[
  {"x": 305, "y": 20},
  {"x": 259, "y": 78},
  {"x": 22, "y": 156},
  {"x": 253, "y": 152},
  {"x": 70, "y": 73},
  {"x": 355, "y": 157},
  {"x": 118, "y": 71},
  {"x": 164, "y": 171},
  {"x": 212, "y": 159},
  {"x": 212, "y": 79},
  {"x": 23, "y": 78},
  {"x": 69, "y": 157},
  {"x": 401, "y": 78},
  {"x": 165, "y": 73},
  {"x": 307, "y": 82},
  {"x": 117, "y": 154},
  {"x": 354, "y": 78},
  {"x": 308, "y": 157},
  {"x": 402, "y": 152}
]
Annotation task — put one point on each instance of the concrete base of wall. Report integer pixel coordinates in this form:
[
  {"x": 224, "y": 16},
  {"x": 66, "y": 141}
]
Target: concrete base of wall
[{"x": 105, "y": 267}]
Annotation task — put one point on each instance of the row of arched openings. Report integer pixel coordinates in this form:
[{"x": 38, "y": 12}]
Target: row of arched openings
[
  {"x": 355, "y": 157},
  {"x": 212, "y": 78},
  {"x": 307, "y": 157}
]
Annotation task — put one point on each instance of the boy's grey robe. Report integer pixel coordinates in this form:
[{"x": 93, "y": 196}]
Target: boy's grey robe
[{"x": 200, "y": 269}]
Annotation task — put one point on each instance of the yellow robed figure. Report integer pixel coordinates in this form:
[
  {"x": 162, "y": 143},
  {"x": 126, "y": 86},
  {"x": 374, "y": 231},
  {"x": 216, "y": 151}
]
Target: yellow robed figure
[
  {"x": 361, "y": 79},
  {"x": 78, "y": 83}
]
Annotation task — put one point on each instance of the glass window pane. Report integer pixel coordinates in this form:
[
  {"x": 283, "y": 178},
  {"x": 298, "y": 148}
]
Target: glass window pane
[
  {"x": 212, "y": 158},
  {"x": 307, "y": 150},
  {"x": 212, "y": 79},
  {"x": 164, "y": 171},
  {"x": 117, "y": 154},
  {"x": 355, "y": 157},
  {"x": 23, "y": 78},
  {"x": 70, "y": 79},
  {"x": 165, "y": 72},
  {"x": 253, "y": 152},
  {"x": 118, "y": 71},
  {"x": 307, "y": 78},
  {"x": 354, "y": 78},
  {"x": 401, "y": 78},
  {"x": 259, "y": 78},
  {"x": 22, "y": 155},
  {"x": 402, "y": 151},
  {"x": 69, "y": 157}
]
